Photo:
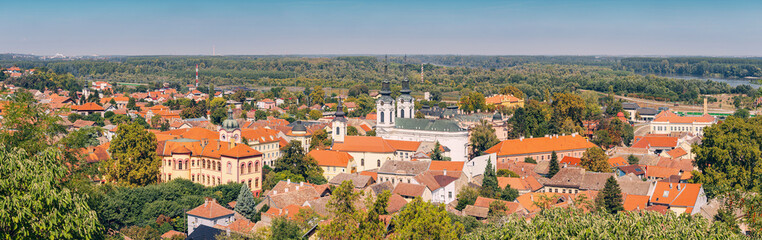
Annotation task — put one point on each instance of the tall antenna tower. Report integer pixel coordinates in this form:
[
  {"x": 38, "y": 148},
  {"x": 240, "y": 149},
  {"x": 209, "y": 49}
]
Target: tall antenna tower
[{"x": 196, "y": 75}]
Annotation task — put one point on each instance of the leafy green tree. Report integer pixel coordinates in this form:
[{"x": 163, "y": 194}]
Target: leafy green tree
[
  {"x": 315, "y": 114},
  {"x": 571, "y": 223},
  {"x": 83, "y": 137},
  {"x": 35, "y": 203},
  {"x": 472, "y": 102},
  {"x": 422, "y": 220},
  {"x": 131, "y": 105},
  {"x": 345, "y": 223},
  {"x": 133, "y": 157},
  {"x": 260, "y": 115},
  {"x": 512, "y": 91},
  {"x": 490, "y": 188},
  {"x": 632, "y": 160},
  {"x": 553, "y": 166},
  {"x": 320, "y": 140},
  {"x": 610, "y": 198},
  {"x": 245, "y": 203},
  {"x": 509, "y": 194},
  {"x": 594, "y": 159},
  {"x": 317, "y": 96},
  {"x": 371, "y": 133},
  {"x": 506, "y": 173},
  {"x": 568, "y": 106},
  {"x": 272, "y": 178},
  {"x": 729, "y": 155},
  {"x": 483, "y": 137},
  {"x": 529, "y": 160},
  {"x": 352, "y": 131},
  {"x": 497, "y": 209},
  {"x": 137, "y": 232},
  {"x": 466, "y": 196},
  {"x": 436, "y": 154},
  {"x": 741, "y": 113},
  {"x": 358, "y": 90},
  {"x": 27, "y": 125},
  {"x": 283, "y": 228},
  {"x": 218, "y": 115}
]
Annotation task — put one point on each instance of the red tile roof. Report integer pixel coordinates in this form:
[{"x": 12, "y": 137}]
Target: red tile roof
[
  {"x": 570, "y": 161},
  {"x": 210, "y": 210},
  {"x": 409, "y": 189},
  {"x": 677, "y": 152},
  {"x": 446, "y": 165},
  {"x": 331, "y": 158},
  {"x": 399, "y": 145},
  {"x": 676, "y": 194},
  {"x": 91, "y": 106},
  {"x": 634, "y": 202},
  {"x": 240, "y": 151},
  {"x": 617, "y": 162},
  {"x": 670, "y": 117},
  {"x": 364, "y": 144},
  {"x": 540, "y": 145},
  {"x": 655, "y": 141}
]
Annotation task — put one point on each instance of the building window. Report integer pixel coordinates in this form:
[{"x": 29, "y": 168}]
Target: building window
[
  {"x": 449, "y": 194},
  {"x": 378, "y": 162},
  {"x": 243, "y": 165},
  {"x": 180, "y": 165},
  {"x": 256, "y": 182},
  {"x": 230, "y": 166},
  {"x": 256, "y": 166},
  {"x": 402, "y": 114},
  {"x": 382, "y": 116},
  {"x": 362, "y": 162},
  {"x": 193, "y": 178},
  {"x": 338, "y": 131}
]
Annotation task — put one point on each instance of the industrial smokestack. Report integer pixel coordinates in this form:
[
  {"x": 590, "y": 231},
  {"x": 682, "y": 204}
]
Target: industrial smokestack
[
  {"x": 196, "y": 75},
  {"x": 706, "y": 109}
]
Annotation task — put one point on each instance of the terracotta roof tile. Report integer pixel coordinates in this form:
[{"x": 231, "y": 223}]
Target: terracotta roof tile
[
  {"x": 91, "y": 106},
  {"x": 395, "y": 203},
  {"x": 409, "y": 189},
  {"x": 363, "y": 144},
  {"x": 634, "y": 202},
  {"x": 676, "y": 194},
  {"x": 540, "y": 144},
  {"x": 399, "y": 145},
  {"x": 331, "y": 158},
  {"x": 655, "y": 141},
  {"x": 668, "y": 116},
  {"x": 446, "y": 165},
  {"x": 210, "y": 209},
  {"x": 240, "y": 151}
]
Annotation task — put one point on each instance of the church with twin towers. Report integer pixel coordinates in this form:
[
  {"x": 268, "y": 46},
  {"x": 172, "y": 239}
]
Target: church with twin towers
[{"x": 395, "y": 120}]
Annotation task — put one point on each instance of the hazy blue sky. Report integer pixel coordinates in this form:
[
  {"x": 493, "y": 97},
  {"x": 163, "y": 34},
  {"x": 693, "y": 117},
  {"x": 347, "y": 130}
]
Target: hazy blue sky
[{"x": 542, "y": 27}]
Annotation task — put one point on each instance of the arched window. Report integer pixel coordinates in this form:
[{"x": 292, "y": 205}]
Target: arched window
[
  {"x": 382, "y": 116},
  {"x": 180, "y": 165},
  {"x": 378, "y": 162},
  {"x": 249, "y": 183},
  {"x": 362, "y": 162},
  {"x": 256, "y": 166},
  {"x": 242, "y": 167},
  {"x": 230, "y": 166},
  {"x": 219, "y": 167},
  {"x": 402, "y": 114},
  {"x": 193, "y": 178},
  {"x": 248, "y": 170},
  {"x": 256, "y": 182},
  {"x": 338, "y": 131}
]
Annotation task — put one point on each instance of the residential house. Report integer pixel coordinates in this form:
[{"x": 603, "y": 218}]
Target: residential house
[
  {"x": 409, "y": 191},
  {"x": 209, "y": 214},
  {"x": 475, "y": 166},
  {"x": 522, "y": 184},
  {"x": 505, "y": 100},
  {"x": 401, "y": 171},
  {"x": 333, "y": 162},
  {"x": 286, "y": 193},
  {"x": 667, "y": 122},
  {"x": 515, "y": 150},
  {"x": 573, "y": 180},
  {"x": 655, "y": 144},
  {"x": 444, "y": 185},
  {"x": 371, "y": 152},
  {"x": 360, "y": 182},
  {"x": 87, "y": 109},
  {"x": 679, "y": 197}
]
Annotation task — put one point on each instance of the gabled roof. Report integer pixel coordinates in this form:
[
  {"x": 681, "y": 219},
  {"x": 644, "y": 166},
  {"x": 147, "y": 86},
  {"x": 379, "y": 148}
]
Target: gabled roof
[
  {"x": 240, "y": 151},
  {"x": 685, "y": 165},
  {"x": 359, "y": 181},
  {"x": 676, "y": 194},
  {"x": 434, "y": 181},
  {"x": 475, "y": 211},
  {"x": 635, "y": 169},
  {"x": 409, "y": 190},
  {"x": 484, "y": 202},
  {"x": 670, "y": 117},
  {"x": 446, "y": 165},
  {"x": 661, "y": 172},
  {"x": 633, "y": 202},
  {"x": 403, "y": 167},
  {"x": 331, "y": 158},
  {"x": 261, "y": 135},
  {"x": 516, "y": 183},
  {"x": 540, "y": 145},
  {"x": 572, "y": 177},
  {"x": 91, "y": 106},
  {"x": 399, "y": 145},
  {"x": 617, "y": 162},
  {"x": 655, "y": 141},
  {"x": 395, "y": 203},
  {"x": 210, "y": 209},
  {"x": 677, "y": 152},
  {"x": 569, "y": 161},
  {"x": 363, "y": 144}
]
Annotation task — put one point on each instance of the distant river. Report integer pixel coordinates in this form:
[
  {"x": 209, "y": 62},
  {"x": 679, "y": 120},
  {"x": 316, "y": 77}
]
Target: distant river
[{"x": 730, "y": 82}]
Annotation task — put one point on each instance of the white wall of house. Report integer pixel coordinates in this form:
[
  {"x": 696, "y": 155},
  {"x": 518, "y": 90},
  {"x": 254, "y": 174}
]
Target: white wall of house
[
  {"x": 370, "y": 160},
  {"x": 457, "y": 142},
  {"x": 444, "y": 194},
  {"x": 195, "y": 221},
  {"x": 476, "y": 166}
]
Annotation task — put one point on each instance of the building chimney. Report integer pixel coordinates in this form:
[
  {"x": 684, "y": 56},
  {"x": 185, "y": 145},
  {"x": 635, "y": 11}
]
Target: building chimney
[
  {"x": 445, "y": 172},
  {"x": 288, "y": 181},
  {"x": 706, "y": 110},
  {"x": 301, "y": 183},
  {"x": 297, "y": 188},
  {"x": 285, "y": 190},
  {"x": 275, "y": 192}
]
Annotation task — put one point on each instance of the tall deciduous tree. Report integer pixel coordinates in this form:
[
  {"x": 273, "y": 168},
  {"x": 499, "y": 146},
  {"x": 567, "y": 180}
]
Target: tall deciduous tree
[
  {"x": 317, "y": 96},
  {"x": 594, "y": 159},
  {"x": 295, "y": 161},
  {"x": 490, "y": 188},
  {"x": 35, "y": 203},
  {"x": 512, "y": 91},
  {"x": 422, "y": 220},
  {"x": 27, "y": 125},
  {"x": 483, "y": 137},
  {"x": 729, "y": 156},
  {"x": 320, "y": 140},
  {"x": 466, "y": 196},
  {"x": 245, "y": 203},
  {"x": 553, "y": 166},
  {"x": 342, "y": 205},
  {"x": 133, "y": 156}
]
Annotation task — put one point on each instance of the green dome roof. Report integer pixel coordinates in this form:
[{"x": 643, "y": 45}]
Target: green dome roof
[{"x": 230, "y": 124}]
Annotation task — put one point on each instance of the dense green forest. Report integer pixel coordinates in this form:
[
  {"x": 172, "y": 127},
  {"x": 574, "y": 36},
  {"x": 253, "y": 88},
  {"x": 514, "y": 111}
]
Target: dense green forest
[
  {"x": 537, "y": 76},
  {"x": 695, "y": 66}
]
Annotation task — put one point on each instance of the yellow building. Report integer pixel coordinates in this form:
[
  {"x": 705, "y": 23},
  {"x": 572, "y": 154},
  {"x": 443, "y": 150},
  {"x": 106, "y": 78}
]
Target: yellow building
[
  {"x": 505, "y": 100},
  {"x": 333, "y": 162}
]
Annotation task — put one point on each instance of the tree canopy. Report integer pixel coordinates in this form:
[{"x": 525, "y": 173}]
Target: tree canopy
[{"x": 133, "y": 156}]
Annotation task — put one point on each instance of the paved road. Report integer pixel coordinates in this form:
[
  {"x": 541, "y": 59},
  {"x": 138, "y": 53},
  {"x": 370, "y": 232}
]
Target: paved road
[
  {"x": 641, "y": 129},
  {"x": 656, "y": 104}
]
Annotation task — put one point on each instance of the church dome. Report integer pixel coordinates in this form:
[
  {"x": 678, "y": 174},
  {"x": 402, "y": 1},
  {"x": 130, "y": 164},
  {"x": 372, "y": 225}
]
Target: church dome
[
  {"x": 497, "y": 116},
  {"x": 299, "y": 127},
  {"x": 230, "y": 123}
]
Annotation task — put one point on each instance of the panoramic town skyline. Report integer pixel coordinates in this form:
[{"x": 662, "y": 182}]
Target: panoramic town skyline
[{"x": 727, "y": 28}]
